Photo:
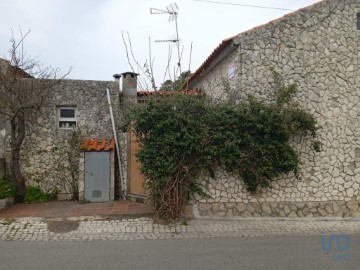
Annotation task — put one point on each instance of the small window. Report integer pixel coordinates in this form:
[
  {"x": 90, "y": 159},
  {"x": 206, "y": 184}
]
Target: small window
[
  {"x": 358, "y": 21},
  {"x": 67, "y": 118}
]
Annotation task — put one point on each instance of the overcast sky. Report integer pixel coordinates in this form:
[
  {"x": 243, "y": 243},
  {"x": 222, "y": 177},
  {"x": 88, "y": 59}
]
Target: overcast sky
[{"x": 86, "y": 34}]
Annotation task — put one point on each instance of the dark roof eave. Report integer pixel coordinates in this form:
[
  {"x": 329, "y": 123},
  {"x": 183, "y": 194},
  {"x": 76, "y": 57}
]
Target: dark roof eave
[{"x": 218, "y": 50}]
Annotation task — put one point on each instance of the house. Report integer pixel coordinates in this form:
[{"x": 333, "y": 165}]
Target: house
[
  {"x": 8, "y": 70},
  {"x": 47, "y": 157},
  {"x": 91, "y": 169},
  {"x": 318, "y": 48}
]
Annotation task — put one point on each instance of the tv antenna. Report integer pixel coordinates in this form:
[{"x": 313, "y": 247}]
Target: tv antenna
[{"x": 172, "y": 11}]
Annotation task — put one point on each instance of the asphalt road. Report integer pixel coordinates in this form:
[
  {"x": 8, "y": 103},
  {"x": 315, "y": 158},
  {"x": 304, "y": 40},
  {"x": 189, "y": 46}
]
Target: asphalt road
[{"x": 217, "y": 253}]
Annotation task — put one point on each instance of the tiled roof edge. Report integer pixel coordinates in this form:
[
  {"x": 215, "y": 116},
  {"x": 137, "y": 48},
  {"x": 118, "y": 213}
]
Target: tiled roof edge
[{"x": 227, "y": 41}]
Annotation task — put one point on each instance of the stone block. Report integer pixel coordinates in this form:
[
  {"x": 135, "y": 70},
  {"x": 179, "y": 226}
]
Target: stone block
[
  {"x": 2, "y": 204},
  {"x": 257, "y": 208},
  {"x": 188, "y": 211},
  {"x": 353, "y": 205},
  {"x": 64, "y": 196},
  {"x": 322, "y": 212},
  {"x": 250, "y": 208},
  {"x": 287, "y": 210},
  {"x": 204, "y": 207},
  {"x": 336, "y": 208},
  {"x": 215, "y": 207},
  {"x": 300, "y": 213},
  {"x": 9, "y": 201},
  {"x": 230, "y": 205},
  {"x": 246, "y": 213},
  {"x": 306, "y": 211},
  {"x": 230, "y": 213},
  {"x": 220, "y": 214},
  {"x": 265, "y": 207},
  {"x": 241, "y": 207},
  {"x": 329, "y": 208},
  {"x": 292, "y": 214}
]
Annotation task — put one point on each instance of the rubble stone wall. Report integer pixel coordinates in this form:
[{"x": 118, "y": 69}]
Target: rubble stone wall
[
  {"x": 318, "y": 48},
  {"x": 44, "y": 139}
]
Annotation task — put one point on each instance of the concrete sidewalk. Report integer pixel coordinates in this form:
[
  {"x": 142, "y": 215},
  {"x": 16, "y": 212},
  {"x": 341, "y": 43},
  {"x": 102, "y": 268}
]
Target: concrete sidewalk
[{"x": 64, "y": 209}]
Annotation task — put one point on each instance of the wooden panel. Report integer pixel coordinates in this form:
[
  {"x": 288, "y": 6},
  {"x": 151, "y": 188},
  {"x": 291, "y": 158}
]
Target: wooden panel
[{"x": 137, "y": 179}]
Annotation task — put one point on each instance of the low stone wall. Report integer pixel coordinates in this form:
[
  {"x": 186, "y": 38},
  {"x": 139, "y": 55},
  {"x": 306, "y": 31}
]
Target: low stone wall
[
  {"x": 280, "y": 209},
  {"x": 287, "y": 196},
  {"x": 4, "y": 203}
]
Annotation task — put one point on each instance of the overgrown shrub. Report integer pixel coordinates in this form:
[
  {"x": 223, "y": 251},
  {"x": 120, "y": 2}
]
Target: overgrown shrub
[
  {"x": 34, "y": 195},
  {"x": 183, "y": 136},
  {"x": 7, "y": 188}
]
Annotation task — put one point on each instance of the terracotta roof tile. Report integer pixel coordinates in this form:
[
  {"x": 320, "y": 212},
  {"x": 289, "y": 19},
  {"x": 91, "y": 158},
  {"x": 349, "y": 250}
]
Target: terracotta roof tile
[
  {"x": 196, "y": 91},
  {"x": 110, "y": 146},
  {"x": 97, "y": 145},
  {"x": 212, "y": 56}
]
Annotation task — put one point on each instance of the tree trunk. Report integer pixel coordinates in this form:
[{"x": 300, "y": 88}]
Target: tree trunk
[{"x": 17, "y": 138}]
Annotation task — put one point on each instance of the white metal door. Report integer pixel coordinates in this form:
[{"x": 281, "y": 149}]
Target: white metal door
[{"x": 97, "y": 176}]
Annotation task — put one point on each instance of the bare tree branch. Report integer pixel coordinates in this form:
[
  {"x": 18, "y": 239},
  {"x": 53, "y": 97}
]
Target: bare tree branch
[
  {"x": 190, "y": 55},
  {"x": 25, "y": 86},
  {"x": 167, "y": 70}
]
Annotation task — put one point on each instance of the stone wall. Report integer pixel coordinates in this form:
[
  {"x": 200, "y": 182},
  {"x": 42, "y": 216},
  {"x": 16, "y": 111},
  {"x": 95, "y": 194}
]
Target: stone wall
[
  {"x": 41, "y": 150},
  {"x": 2, "y": 136},
  {"x": 318, "y": 48}
]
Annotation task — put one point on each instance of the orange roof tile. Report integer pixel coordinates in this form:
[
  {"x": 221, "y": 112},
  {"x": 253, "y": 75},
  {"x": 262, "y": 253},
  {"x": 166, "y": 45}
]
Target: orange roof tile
[
  {"x": 196, "y": 91},
  {"x": 97, "y": 145},
  {"x": 211, "y": 57}
]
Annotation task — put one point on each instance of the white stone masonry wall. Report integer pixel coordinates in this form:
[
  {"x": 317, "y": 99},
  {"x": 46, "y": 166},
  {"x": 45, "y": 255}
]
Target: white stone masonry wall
[{"x": 318, "y": 48}]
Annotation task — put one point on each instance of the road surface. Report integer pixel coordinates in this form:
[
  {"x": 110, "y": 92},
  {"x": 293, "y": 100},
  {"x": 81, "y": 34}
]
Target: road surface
[{"x": 282, "y": 252}]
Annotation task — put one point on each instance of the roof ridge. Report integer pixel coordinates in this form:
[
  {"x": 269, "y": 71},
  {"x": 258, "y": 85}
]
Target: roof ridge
[
  {"x": 227, "y": 41},
  {"x": 290, "y": 14}
]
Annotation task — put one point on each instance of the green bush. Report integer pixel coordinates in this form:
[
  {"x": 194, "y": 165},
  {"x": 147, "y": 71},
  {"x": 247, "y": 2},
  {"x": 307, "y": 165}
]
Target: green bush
[
  {"x": 7, "y": 188},
  {"x": 35, "y": 195},
  {"x": 183, "y": 136}
]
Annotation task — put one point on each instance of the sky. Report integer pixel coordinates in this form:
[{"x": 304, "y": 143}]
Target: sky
[{"x": 86, "y": 35}]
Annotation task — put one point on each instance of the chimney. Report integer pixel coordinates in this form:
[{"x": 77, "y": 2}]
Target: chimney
[
  {"x": 129, "y": 83},
  {"x": 129, "y": 86},
  {"x": 117, "y": 80}
]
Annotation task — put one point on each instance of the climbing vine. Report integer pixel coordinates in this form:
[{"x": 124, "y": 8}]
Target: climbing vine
[
  {"x": 184, "y": 136},
  {"x": 67, "y": 166}
]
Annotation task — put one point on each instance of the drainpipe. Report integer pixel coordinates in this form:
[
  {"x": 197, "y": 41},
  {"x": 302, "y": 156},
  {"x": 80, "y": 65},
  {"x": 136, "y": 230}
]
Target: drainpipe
[{"x": 116, "y": 143}]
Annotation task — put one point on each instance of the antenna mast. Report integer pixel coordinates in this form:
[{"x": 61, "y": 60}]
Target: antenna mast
[{"x": 171, "y": 10}]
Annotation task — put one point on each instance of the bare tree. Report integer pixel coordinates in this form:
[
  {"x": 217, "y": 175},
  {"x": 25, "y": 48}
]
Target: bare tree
[{"x": 25, "y": 85}]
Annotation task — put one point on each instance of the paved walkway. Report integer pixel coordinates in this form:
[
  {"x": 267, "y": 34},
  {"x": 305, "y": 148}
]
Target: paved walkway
[
  {"x": 119, "y": 220},
  {"x": 77, "y": 229},
  {"x": 73, "y": 209}
]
